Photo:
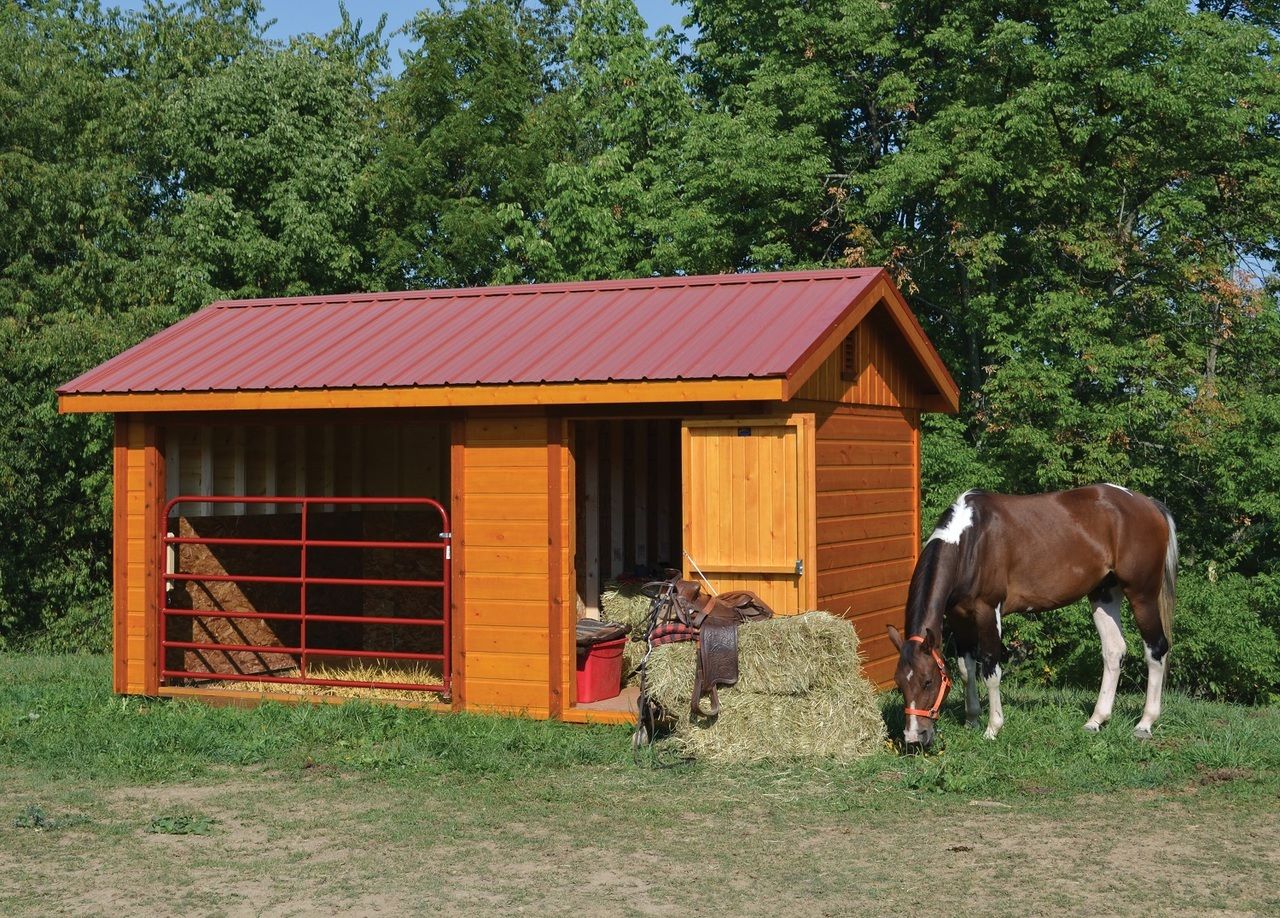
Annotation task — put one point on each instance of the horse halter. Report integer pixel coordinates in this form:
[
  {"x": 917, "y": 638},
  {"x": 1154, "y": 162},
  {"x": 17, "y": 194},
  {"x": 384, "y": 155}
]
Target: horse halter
[{"x": 945, "y": 687}]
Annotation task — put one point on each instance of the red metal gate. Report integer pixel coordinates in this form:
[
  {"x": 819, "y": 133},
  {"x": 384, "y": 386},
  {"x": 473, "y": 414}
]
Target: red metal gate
[{"x": 304, "y": 578}]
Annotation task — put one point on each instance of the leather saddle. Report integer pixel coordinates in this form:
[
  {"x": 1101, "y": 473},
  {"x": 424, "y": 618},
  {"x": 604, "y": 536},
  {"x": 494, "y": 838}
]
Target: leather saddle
[{"x": 716, "y": 620}]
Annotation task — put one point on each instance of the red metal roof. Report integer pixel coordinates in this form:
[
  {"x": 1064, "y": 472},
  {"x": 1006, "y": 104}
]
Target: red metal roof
[{"x": 706, "y": 327}]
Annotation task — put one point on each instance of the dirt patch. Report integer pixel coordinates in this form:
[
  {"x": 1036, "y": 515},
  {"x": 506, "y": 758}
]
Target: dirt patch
[{"x": 307, "y": 842}]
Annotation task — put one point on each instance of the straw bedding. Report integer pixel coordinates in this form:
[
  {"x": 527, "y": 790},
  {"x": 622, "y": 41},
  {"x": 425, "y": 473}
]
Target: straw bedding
[
  {"x": 800, "y": 695},
  {"x": 356, "y": 672}
]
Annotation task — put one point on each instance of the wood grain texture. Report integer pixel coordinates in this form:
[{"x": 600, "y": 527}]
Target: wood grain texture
[
  {"x": 868, "y": 495},
  {"x": 120, "y": 557},
  {"x": 747, "y": 507},
  {"x": 886, "y": 373},
  {"x": 507, "y": 578}
]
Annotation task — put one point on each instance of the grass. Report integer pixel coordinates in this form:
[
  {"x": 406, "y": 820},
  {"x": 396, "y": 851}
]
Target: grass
[
  {"x": 58, "y": 717},
  {"x": 132, "y": 805}
]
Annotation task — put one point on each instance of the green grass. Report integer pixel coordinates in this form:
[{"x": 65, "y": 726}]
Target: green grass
[
  {"x": 58, "y": 717},
  {"x": 134, "y": 806}
]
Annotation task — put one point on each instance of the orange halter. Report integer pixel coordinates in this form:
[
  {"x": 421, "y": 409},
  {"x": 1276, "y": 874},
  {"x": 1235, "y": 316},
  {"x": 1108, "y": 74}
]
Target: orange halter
[{"x": 943, "y": 689}]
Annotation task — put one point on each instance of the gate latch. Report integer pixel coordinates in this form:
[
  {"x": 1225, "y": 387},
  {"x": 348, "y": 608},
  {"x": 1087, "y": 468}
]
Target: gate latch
[
  {"x": 800, "y": 565},
  {"x": 448, "y": 549}
]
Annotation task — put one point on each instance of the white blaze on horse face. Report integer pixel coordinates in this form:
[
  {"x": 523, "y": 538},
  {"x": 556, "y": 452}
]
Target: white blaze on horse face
[
  {"x": 961, "y": 519},
  {"x": 912, "y": 733}
]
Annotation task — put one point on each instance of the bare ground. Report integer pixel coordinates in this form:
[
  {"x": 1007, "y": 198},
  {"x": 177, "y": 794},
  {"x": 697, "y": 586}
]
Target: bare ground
[{"x": 323, "y": 842}]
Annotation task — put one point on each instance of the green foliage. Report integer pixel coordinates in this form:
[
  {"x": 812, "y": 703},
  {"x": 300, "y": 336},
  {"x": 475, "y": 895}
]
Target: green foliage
[
  {"x": 1226, "y": 642},
  {"x": 1080, "y": 199}
]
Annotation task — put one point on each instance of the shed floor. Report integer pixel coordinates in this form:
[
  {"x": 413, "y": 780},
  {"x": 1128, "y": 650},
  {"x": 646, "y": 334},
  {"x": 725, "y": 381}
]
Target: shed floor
[{"x": 627, "y": 701}]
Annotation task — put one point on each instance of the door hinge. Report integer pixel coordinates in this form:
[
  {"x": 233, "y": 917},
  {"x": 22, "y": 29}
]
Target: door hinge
[{"x": 800, "y": 565}]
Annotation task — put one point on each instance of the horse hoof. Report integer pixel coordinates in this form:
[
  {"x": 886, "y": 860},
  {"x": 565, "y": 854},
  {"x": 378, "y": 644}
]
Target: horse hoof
[
  {"x": 972, "y": 724},
  {"x": 990, "y": 733},
  {"x": 1092, "y": 727},
  {"x": 1142, "y": 733}
]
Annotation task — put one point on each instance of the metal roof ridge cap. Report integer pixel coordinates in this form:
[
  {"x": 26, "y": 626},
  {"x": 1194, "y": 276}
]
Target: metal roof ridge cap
[{"x": 682, "y": 280}]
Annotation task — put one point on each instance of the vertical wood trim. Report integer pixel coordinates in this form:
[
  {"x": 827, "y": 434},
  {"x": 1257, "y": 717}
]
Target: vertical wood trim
[
  {"x": 806, "y": 433},
  {"x": 119, "y": 558},
  {"x": 555, "y": 589},
  {"x": 269, "y": 461},
  {"x": 640, "y": 501},
  {"x": 206, "y": 467},
  {"x": 331, "y": 465},
  {"x": 617, "y": 502},
  {"x": 299, "y": 460},
  {"x": 686, "y": 502},
  {"x": 915, "y": 482},
  {"x": 172, "y": 452},
  {"x": 238, "y": 472},
  {"x": 153, "y": 508},
  {"x": 357, "y": 460},
  {"x": 570, "y": 577},
  {"x": 457, "y": 525},
  {"x": 589, "y": 440}
]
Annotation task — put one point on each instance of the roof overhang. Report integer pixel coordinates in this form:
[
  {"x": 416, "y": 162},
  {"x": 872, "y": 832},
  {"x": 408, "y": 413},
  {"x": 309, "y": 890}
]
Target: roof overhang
[{"x": 618, "y": 393}]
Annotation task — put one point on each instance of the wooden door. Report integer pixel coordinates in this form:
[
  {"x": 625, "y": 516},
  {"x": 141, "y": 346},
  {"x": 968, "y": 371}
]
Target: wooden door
[{"x": 748, "y": 519}]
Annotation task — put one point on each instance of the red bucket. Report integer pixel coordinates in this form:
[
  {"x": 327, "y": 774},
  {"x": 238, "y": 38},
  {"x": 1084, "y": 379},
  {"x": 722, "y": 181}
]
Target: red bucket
[{"x": 600, "y": 671}]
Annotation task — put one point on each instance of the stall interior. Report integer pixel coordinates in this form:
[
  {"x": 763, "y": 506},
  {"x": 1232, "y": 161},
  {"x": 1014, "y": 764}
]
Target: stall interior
[{"x": 345, "y": 585}]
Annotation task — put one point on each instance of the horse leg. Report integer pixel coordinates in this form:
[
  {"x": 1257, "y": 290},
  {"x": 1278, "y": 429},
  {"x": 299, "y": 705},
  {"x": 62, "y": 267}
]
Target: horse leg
[
  {"x": 1147, "y": 613},
  {"x": 968, "y": 666},
  {"x": 991, "y": 646},
  {"x": 961, "y": 624},
  {"x": 1106, "y": 617}
]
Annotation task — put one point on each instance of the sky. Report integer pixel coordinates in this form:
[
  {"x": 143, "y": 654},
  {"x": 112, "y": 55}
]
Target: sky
[{"x": 295, "y": 16}]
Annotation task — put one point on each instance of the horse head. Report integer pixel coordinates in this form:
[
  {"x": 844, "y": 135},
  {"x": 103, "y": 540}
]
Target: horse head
[{"x": 922, "y": 678}]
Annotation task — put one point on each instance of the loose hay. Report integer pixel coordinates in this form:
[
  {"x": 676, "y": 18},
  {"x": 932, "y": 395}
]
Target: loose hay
[
  {"x": 622, "y": 601},
  {"x": 356, "y": 673},
  {"x": 800, "y": 695}
]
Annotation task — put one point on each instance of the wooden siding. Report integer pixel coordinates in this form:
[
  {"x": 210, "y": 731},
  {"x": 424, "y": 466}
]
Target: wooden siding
[
  {"x": 504, "y": 565},
  {"x": 885, "y": 372},
  {"x": 137, "y": 473},
  {"x": 747, "y": 516},
  {"x": 868, "y": 493}
]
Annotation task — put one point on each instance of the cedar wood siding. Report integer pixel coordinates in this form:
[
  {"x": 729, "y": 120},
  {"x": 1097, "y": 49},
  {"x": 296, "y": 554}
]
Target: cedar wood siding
[
  {"x": 867, "y": 475},
  {"x": 138, "y": 469},
  {"x": 506, "y": 565}
]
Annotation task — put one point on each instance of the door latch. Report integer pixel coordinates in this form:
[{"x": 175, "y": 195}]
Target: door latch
[{"x": 800, "y": 565}]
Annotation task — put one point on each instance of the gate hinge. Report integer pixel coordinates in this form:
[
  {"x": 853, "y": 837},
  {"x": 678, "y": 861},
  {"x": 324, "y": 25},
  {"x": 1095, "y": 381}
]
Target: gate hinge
[{"x": 800, "y": 565}]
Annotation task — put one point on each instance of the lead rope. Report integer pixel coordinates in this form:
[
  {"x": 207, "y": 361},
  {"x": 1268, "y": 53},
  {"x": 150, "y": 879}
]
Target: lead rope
[
  {"x": 700, "y": 574},
  {"x": 647, "y": 710}
]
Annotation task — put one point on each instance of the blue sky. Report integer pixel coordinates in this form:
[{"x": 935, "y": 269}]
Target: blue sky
[{"x": 294, "y": 16}]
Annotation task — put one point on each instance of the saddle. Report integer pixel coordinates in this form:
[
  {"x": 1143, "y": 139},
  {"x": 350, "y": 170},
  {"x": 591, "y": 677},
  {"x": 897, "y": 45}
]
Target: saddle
[{"x": 713, "y": 621}]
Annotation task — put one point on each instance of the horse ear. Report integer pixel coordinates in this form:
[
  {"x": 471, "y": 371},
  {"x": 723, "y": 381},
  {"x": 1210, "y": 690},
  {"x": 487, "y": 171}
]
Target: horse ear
[
  {"x": 895, "y": 637},
  {"x": 930, "y": 639}
]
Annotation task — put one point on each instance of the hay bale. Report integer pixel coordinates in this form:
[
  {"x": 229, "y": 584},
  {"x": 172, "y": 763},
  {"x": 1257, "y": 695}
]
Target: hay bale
[
  {"x": 622, "y": 601},
  {"x": 800, "y": 695}
]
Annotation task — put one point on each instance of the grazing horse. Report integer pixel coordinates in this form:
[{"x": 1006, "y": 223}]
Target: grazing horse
[{"x": 996, "y": 553}]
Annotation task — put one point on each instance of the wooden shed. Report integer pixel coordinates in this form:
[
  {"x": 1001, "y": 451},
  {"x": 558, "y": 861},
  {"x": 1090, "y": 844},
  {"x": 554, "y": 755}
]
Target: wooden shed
[{"x": 317, "y": 491}]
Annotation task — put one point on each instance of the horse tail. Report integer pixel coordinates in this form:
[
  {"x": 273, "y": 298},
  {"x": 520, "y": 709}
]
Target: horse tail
[{"x": 1170, "y": 579}]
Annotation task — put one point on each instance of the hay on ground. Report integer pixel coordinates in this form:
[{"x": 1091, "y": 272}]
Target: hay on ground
[
  {"x": 800, "y": 695},
  {"x": 354, "y": 672}
]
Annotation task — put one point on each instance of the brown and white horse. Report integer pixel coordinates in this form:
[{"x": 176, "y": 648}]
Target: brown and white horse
[{"x": 997, "y": 553}]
